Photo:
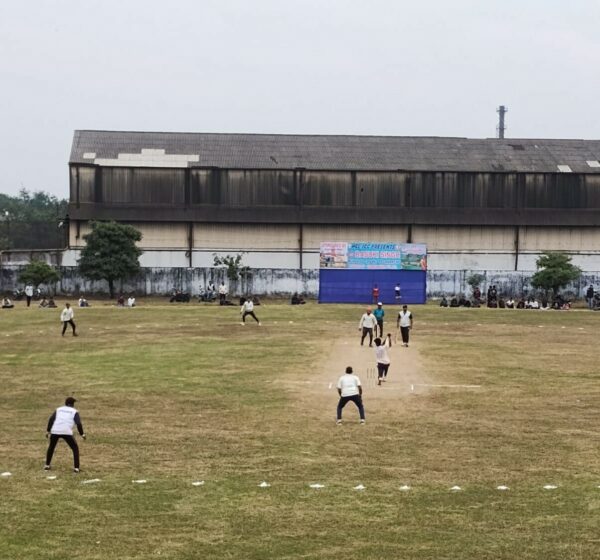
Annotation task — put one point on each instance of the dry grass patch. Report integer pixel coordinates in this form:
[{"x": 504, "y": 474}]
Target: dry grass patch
[{"x": 174, "y": 394}]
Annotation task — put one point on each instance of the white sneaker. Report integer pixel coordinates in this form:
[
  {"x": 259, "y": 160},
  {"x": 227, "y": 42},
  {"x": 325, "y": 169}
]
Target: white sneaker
[
  {"x": 259, "y": 323},
  {"x": 362, "y": 422},
  {"x": 46, "y": 467},
  {"x": 243, "y": 324},
  {"x": 76, "y": 471},
  {"x": 338, "y": 422}
]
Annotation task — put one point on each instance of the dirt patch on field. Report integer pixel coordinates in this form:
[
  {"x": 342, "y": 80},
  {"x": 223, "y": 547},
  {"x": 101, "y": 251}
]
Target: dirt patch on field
[{"x": 317, "y": 389}]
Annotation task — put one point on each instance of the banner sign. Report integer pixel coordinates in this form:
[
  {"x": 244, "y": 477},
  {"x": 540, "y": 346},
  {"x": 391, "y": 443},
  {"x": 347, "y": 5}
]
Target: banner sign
[{"x": 371, "y": 256}]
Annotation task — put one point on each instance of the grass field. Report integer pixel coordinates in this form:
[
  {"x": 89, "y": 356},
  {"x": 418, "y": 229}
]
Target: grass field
[{"x": 176, "y": 394}]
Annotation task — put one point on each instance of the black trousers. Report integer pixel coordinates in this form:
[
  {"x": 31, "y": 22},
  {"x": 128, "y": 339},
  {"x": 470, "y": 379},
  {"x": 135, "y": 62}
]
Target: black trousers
[
  {"x": 251, "y": 313},
  {"x": 357, "y": 400},
  {"x": 367, "y": 331},
  {"x": 382, "y": 370},
  {"x": 380, "y": 325},
  {"x": 405, "y": 331},
  {"x": 70, "y": 442},
  {"x": 28, "y": 301},
  {"x": 65, "y": 323}
]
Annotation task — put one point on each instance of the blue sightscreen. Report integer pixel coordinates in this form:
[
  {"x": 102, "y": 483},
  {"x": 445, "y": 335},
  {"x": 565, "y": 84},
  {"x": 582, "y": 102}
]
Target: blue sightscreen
[{"x": 354, "y": 286}]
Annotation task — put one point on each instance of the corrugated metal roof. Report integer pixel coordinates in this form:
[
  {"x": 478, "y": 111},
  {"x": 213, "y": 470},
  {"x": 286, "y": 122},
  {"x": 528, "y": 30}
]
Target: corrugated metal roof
[{"x": 376, "y": 153}]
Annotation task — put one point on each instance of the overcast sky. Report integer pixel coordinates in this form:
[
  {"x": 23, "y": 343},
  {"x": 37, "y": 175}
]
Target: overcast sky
[{"x": 389, "y": 67}]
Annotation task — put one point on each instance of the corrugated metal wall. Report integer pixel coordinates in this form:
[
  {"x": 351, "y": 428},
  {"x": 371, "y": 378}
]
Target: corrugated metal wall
[{"x": 340, "y": 189}]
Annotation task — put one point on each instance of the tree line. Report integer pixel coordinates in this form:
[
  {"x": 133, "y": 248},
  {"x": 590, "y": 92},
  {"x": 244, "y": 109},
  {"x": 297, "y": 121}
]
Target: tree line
[{"x": 32, "y": 220}]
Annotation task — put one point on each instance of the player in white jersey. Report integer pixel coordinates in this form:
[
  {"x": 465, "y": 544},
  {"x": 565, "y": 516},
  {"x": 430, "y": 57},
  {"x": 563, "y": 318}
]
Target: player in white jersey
[
  {"x": 349, "y": 389},
  {"x": 382, "y": 357},
  {"x": 248, "y": 309},
  {"x": 60, "y": 426}
]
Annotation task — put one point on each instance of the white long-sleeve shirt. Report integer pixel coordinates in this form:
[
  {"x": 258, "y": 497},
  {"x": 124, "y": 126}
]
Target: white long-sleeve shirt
[
  {"x": 368, "y": 321},
  {"x": 381, "y": 354},
  {"x": 248, "y": 306},
  {"x": 67, "y": 314}
]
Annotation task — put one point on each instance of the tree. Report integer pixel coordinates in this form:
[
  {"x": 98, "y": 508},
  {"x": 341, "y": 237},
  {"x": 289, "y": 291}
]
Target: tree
[
  {"x": 110, "y": 253},
  {"x": 474, "y": 280},
  {"x": 554, "y": 272},
  {"x": 39, "y": 272},
  {"x": 233, "y": 267}
]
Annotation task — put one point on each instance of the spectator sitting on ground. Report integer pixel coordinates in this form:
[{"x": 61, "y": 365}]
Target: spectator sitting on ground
[
  {"x": 51, "y": 304},
  {"x": 6, "y": 303},
  {"x": 444, "y": 302},
  {"x": 510, "y": 303},
  {"x": 476, "y": 303},
  {"x": 561, "y": 303},
  {"x": 255, "y": 300},
  {"x": 534, "y": 304},
  {"x": 44, "y": 302},
  {"x": 462, "y": 301},
  {"x": 130, "y": 301},
  {"x": 83, "y": 302},
  {"x": 528, "y": 302},
  {"x": 297, "y": 300},
  {"x": 121, "y": 301},
  {"x": 545, "y": 305},
  {"x": 501, "y": 303},
  {"x": 521, "y": 303},
  {"x": 454, "y": 302}
]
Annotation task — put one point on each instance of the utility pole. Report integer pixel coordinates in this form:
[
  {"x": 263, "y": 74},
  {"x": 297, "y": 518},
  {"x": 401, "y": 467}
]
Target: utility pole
[{"x": 502, "y": 110}]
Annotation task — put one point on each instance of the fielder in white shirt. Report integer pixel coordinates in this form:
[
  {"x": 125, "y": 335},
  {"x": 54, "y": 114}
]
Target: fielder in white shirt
[
  {"x": 60, "y": 426},
  {"x": 248, "y": 309},
  {"x": 66, "y": 316},
  {"x": 349, "y": 389},
  {"x": 367, "y": 323}
]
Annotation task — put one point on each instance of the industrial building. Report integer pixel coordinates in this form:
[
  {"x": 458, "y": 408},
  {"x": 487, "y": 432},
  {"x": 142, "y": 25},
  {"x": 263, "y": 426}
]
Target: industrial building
[{"x": 488, "y": 205}]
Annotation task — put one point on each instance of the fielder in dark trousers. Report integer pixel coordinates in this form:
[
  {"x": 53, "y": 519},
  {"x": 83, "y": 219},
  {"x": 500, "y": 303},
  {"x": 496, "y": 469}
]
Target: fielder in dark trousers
[
  {"x": 66, "y": 316},
  {"x": 405, "y": 322},
  {"x": 248, "y": 309},
  {"x": 349, "y": 389},
  {"x": 60, "y": 426}
]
